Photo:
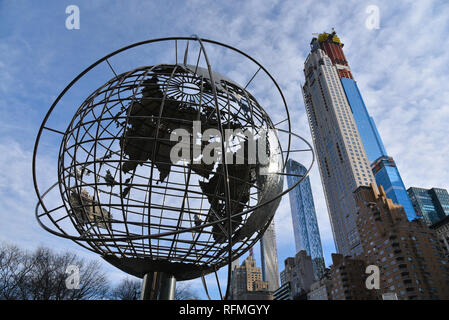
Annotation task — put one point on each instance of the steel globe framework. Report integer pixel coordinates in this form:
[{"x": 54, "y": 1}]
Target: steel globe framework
[{"x": 127, "y": 195}]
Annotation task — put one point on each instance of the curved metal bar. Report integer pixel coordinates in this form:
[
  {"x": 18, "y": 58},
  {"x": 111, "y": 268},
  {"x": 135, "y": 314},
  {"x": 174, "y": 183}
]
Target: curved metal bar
[
  {"x": 225, "y": 166},
  {"x": 203, "y": 280}
]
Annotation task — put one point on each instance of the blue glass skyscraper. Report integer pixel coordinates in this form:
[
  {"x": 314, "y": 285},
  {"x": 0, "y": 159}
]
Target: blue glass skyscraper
[
  {"x": 384, "y": 168},
  {"x": 305, "y": 225}
]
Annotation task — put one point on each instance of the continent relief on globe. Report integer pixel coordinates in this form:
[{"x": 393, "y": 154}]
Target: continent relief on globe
[{"x": 151, "y": 115}]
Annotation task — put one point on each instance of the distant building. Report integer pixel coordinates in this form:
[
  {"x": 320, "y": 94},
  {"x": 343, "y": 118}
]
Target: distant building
[
  {"x": 283, "y": 292},
  {"x": 256, "y": 295},
  {"x": 88, "y": 211},
  {"x": 299, "y": 273},
  {"x": 348, "y": 278},
  {"x": 283, "y": 277},
  {"x": 234, "y": 264},
  {"x": 442, "y": 230},
  {"x": 305, "y": 224},
  {"x": 408, "y": 254},
  {"x": 269, "y": 257},
  {"x": 247, "y": 283},
  {"x": 431, "y": 204},
  {"x": 321, "y": 289}
]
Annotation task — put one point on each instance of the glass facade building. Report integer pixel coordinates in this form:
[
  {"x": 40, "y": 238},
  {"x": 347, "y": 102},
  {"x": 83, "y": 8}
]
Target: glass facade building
[
  {"x": 386, "y": 174},
  {"x": 384, "y": 168},
  {"x": 372, "y": 143},
  {"x": 269, "y": 257},
  {"x": 305, "y": 224},
  {"x": 431, "y": 204}
]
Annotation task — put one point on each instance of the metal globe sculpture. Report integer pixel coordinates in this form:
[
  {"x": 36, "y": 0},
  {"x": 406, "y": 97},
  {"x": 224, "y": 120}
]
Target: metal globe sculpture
[{"x": 169, "y": 168}]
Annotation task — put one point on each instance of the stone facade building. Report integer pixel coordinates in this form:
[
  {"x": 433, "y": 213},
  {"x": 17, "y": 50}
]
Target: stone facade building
[
  {"x": 299, "y": 273},
  {"x": 247, "y": 282},
  {"x": 408, "y": 254},
  {"x": 321, "y": 289},
  {"x": 442, "y": 230},
  {"x": 348, "y": 279}
]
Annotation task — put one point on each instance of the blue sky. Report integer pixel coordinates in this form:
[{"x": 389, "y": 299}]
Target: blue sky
[{"x": 401, "y": 69}]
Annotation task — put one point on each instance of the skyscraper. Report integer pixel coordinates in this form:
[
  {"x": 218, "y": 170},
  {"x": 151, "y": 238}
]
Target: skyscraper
[
  {"x": 431, "y": 204},
  {"x": 384, "y": 168},
  {"x": 341, "y": 156},
  {"x": 305, "y": 225},
  {"x": 269, "y": 257}
]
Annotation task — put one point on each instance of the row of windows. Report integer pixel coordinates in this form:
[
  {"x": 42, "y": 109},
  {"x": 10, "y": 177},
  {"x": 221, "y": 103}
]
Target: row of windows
[
  {"x": 362, "y": 172},
  {"x": 346, "y": 147}
]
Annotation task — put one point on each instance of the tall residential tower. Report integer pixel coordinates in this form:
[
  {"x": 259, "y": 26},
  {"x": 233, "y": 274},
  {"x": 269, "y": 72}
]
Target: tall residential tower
[
  {"x": 349, "y": 149},
  {"x": 341, "y": 156},
  {"x": 305, "y": 224},
  {"x": 383, "y": 166}
]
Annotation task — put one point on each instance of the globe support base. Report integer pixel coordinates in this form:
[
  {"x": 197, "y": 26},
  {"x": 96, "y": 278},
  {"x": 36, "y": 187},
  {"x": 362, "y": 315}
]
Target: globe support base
[{"x": 158, "y": 286}]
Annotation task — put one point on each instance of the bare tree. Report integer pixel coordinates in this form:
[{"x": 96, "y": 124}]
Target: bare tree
[
  {"x": 184, "y": 291},
  {"x": 47, "y": 279},
  {"x": 15, "y": 266},
  {"x": 41, "y": 275},
  {"x": 128, "y": 289}
]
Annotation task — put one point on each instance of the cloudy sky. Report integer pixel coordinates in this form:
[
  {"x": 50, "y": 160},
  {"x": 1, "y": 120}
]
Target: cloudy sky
[{"x": 401, "y": 69}]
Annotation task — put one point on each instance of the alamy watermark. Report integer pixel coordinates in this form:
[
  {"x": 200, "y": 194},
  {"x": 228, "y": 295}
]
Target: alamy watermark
[
  {"x": 72, "y": 282},
  {"x": 72, "y": 22},
  {"x": 242, "y": 146},
  {"x": 373, "y": 280},
  {"x": 373, "y": 19}
]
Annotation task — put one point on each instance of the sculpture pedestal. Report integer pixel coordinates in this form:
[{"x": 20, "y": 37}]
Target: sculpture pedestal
[{"x": 158, "y": 286}]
